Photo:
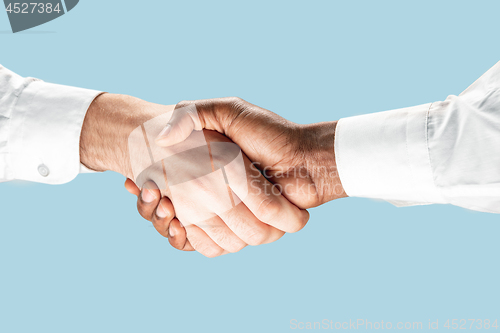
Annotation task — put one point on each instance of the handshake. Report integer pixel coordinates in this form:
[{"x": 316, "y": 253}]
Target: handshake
[{"x": 213, "y": 175}]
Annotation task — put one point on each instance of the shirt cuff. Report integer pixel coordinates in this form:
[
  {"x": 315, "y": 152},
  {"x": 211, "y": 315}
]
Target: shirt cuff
[
  {"x": 45, "y": 132},
  {"x": 385, "y": 156}
]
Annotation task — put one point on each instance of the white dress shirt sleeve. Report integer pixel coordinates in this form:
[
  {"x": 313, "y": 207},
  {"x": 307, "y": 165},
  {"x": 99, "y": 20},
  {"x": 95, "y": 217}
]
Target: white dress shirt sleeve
[
  {"x": 40, "y": 126},
  {"x": 444, "y": 152}
]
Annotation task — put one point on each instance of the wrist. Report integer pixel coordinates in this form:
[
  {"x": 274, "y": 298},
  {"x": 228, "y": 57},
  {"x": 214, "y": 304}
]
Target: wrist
[
  {"x": 320, "y": 160},
  {"x": 109, "y": 121}
]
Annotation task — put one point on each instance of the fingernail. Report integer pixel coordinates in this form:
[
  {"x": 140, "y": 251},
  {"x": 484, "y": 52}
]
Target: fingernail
[
  {"x": 165, "y": 131},
  {"x": 147, "y": 194},
  {"x": 161, "y": 211},
  {"x": 171, "y": 230}
]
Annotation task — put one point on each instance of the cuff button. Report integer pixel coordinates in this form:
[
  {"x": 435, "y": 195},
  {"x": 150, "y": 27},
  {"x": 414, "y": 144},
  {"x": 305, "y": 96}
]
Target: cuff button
[{"x": 43, "y": 170}]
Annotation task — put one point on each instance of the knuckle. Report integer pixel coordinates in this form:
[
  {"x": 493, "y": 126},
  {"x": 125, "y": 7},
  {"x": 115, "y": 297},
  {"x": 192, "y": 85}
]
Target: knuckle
[
  {"x": 182, "y": 104},
  {"x": 217, "y": 233},
  {"x": 235, "y": 103},
  {"x": 275, "y": 236},
  {"x": 269, "y": 210},
  {"x": 298, "y": 223},
  {"x": 211, "y": 251},
  {"x": 236, "y": 246},
  {"x": 208, "y": 250},
  {"x": 294, "y": 227},
  {"x": 236, "y": 100}
]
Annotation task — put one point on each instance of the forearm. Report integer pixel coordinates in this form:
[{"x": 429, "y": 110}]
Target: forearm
[{"x": 106, "y": 129}]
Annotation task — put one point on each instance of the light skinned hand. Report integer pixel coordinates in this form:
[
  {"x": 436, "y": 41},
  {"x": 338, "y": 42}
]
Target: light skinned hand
[
  {"x": 104, "y": 146},
  {"x": 262, "y": 216}
]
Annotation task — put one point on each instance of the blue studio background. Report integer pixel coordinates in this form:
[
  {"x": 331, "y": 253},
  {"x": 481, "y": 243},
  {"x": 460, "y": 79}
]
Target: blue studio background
[{"x": 79, "y": 258}]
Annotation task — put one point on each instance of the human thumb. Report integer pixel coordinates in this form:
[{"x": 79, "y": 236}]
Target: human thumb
[{"x": 183, "y": 121}]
